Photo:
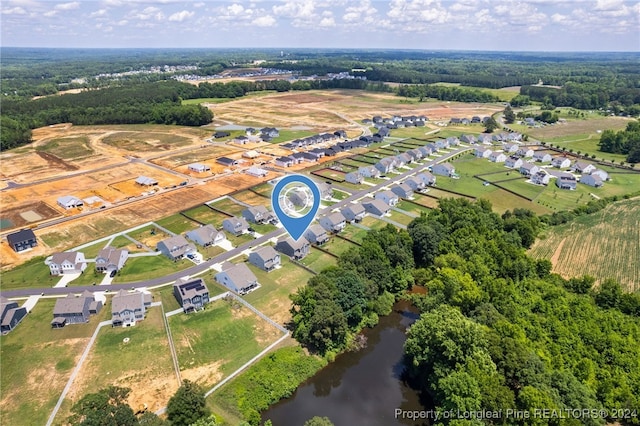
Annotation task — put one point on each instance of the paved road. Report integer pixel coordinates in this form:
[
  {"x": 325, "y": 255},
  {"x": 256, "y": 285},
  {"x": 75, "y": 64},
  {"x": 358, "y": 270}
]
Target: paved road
[{"x": 227, "y": 255}]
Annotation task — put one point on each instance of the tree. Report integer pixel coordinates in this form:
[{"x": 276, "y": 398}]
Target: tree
[
  {"x": 318, "y": 421},
  {"x": 208, "y": 421},
  {"x": 490, "y": 125},
  {"x": 187, "y": 405},
  {"x": 107, "y": 407},
  {"x": 509, "y": 115}
]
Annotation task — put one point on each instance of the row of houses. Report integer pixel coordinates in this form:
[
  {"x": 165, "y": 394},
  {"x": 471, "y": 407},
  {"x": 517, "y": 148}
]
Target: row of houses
[{"x": 396, "y": 121}]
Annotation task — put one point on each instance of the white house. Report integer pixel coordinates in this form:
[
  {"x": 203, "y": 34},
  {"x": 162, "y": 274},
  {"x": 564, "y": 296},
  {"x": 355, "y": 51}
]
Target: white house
[
  {"x": 444, "y": 169},
  {"x": 513, "y": 162},
  {"x": 591, "y": 180},
  {"x": 199, "y": 167},
  {"x": 67, "y": 262},
  {"x": 69, "y": 201},
  {"x": 561, "y": 162},
  {"x": 497, "y": 157}
]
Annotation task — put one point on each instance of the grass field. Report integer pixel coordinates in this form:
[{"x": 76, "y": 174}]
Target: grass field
[
  {"x": 33, "y": 273},
  {"x": 145, "y": 141},
  {"x": 605, "y": 245},
  {"x": 205, "y": 215},
  {"x": 272, "y": 298},
  {"x": 354, "y": 233},
  {"x": 411, "y": 207},
  {"x": 229, "y": 206},
  {"x": 177, "y": 223},
  {"x": 37, "y": 361},
  {"x": 114, "y": 361},
  {"x": 213, "y": 343},
  {"x": 338, "y": 246},
  {"x": 317, "y": 260},
  {"x": 70, "y": 148},
  {"x": 147, "y": 267}
]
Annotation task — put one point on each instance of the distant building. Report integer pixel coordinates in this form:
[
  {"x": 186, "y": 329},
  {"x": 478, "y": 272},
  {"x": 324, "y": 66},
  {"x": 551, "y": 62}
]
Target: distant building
[
  {"x": 566, "y": 181},
  {"x": 199, "y": 167},
  {"x": 146, "y": 181},
  {"x": 22, "y": 240},
  {"x": 69, "y": 201}
]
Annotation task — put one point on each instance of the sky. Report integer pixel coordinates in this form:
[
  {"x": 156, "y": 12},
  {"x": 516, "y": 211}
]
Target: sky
[{"x": 511, "y": 25}]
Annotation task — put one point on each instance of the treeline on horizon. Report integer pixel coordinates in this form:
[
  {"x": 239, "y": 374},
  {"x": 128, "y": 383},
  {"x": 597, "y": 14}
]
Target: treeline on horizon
[{"x": 497, "y": 329}]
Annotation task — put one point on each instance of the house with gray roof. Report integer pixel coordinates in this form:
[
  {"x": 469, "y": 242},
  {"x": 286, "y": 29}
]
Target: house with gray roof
[
  {"x": 540, "y": 178},
  {"x": 69, "y": 202},
  {"x": 402, "y": 190},
  {"x": 583, "y": 167},
  {"x": 67, "y": 262},
  {"x": 316, "y": 234},
  {"x": 235, "y": 225},
  {"x": 542, "y": 156},
  {"x": 566, "y": 181},
  {"x": 376, "y": 207},
  {"x": 388, "y": 196},
  {"x": 471, "y": 139},
  {"x": 528, "y": 169},
  {"x": 369, "y": 171},
  {"x": 497, "y": 157},
  {"x": 442, "y": 143},
  {"x": 265, "y": 258},
  {"x": 591, "y": 180},
  {"x": 295, "y": 249},
  {"x": 259, "y": 214},
  {"x": 443, "y": 169},
  {"x": 199, "y": 167},
  {"x": 513, "y": 162},
  {"x": 175, "y": 247},
  {"x": 334, "y": 222},
  {"x": 427, "y": 178},
  {"x": 354, "y": 178},
  {"x": 601, "y": 173},
  {"x": 385, "y": 165},
  {"x": 402, "y": 159},
  {"x": 191, "y": 293},
  {"x": 111, "y": 259},
  {"x": 482, "y": 152},
  {"x": 510, "y": 147},
  {"x": 22, "y": 240},
  {"x": 525, "y": 152},
  {"x": 10, "y": 314},
  {"x": 415, "y": 183},
  {"x": 561, "y": 162},
  {"x": 146, "y": 181},
  {"x": 453, "y": 141},
  {"x": 426, "y": 151},
  {"x": 353, "y": 212},
  {"x": 285, "y": 161},
  {"x": 127, "y": 308},
  {"x": 238, "y": 278},
  {"x": 326, "y": 190},
  {"x": 74, "y": 309},
  {"x": 206, "y": 236}
]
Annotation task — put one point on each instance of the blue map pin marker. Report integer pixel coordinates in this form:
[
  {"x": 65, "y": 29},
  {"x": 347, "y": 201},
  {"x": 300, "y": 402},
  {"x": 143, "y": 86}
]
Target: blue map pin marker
[{"x": 295, "y": 201}]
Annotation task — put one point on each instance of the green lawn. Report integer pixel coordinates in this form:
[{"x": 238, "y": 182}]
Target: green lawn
[
  {"x": 150, "y": 232},
  {"x": 71, "y": 148},
  {"x": 337, "y": 246},
  {"x": 90, "y": 252},
  {"x": 37, "y": 361},
  {"x": 206, "y": 215},
  {"x": 88, "y": 277},
  {"x": 354, "y": 233},
  {"x": 373, "y": 222},
  {"x": 33, "y": 273},
  {"x": 523, "y": 188},
  {"x": 229, "y": 206},
  {"x": 177, "y": 223},
  {"x": 411, "y": 207},
  {"x": 289, "y": 135},
  {"x": 210, "y": 251},
  {"x": 400, "y": 217},
  {"x": 317, "y": 260},
  {"x": 146, "y": 267},
  {"x": 223, "y": 337},
  {"x": 272, "y": 298}
]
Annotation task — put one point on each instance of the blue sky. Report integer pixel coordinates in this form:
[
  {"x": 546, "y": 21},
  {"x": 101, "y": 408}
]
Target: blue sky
[{"x": 527, "y": 25}]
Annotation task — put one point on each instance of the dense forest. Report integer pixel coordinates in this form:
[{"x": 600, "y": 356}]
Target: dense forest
[
  {"x": 497, "y": 329},
  {"x": 625, "y": 141}
]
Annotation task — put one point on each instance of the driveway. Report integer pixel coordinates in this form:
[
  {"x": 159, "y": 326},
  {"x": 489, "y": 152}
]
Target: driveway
[{"x": 66, "y": 279}]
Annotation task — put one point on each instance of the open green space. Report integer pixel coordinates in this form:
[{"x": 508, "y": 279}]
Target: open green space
[
  {"x": 70, "y": 148},
  {"x": 272, "y": 298},
  {"x": 205, "y": 214},
  {"x": 316, "y": 260},
  {"x": 145, "y": 140},
  {"x": 148, "y": 235},
  {"x": 121, "y": 241},
  {"x": 586, "y": 145},
  {"x": 412, "y": 207},
  {"x": 426, "y": 201},
  {"x": 127, "y": 362},
  {"x": 37, "y": 361},
  {"x": 364, "y": 160},
  {"x": 400, "y": 217},
  {"x": 337, "y": 246},
  {"x": 523, "y": 188},
  {"x": 373, "y": 222},
  {"x": 147, "y": 267},
  {"x": 504, "y": 94},
  {"x": 33, "y": 273},
  {"x": 238, "y": 240},
  {"x": 89, "y": 277},
  {"x": 229, "y": 206},
  {"x": 263, "y": 189},
  {"x": 90, "y": 252},
  {"x": 210, "y": 252},
  {"x": 177, "y": 223},
  {"x": 263, "y": 228},
  {"x": 411, "y": 132},
  {"x": 354, "y": 233},
  {"x": 224, "y": 336}
]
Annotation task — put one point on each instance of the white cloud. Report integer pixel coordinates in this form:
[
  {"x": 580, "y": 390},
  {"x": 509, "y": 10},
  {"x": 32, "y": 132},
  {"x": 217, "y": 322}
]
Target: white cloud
[
  {"x": 198, "y": 5},
  {"x": 235, "y": 9},
  {"x": 301, "y": 12},
  {"x": 98, "y": 13},
  {"x": 14, "y": 11},
  {"x": 363, "y": 13},
  {"x": 327, "y": 22},
  {"x": 147, "y": 14},
  {"x": 417, "y": 15},
  {"x": 265, "y": 21},
  {"x": 50, "y": 13},
  {"x": 181, "y": 16},
  {"x": 68, "y": 6}
]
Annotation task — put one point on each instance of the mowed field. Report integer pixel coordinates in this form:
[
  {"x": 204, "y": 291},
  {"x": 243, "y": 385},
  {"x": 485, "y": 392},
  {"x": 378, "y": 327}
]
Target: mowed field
[{"x": 605, "y": 245}]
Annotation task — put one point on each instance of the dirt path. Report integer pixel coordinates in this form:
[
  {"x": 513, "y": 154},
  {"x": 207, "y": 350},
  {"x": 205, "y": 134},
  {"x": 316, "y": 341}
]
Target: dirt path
[{"x": 556, "y": 253}]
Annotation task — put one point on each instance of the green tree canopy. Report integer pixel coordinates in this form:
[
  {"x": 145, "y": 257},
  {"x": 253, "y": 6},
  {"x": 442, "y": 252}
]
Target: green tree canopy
[{"x": 187, "y": 405}]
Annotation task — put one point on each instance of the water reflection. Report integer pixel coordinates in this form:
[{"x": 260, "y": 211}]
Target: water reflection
[{"x": 359, "y": 388}]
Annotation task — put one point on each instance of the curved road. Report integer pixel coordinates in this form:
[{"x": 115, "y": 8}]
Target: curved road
[{"x": 225, "y": 256}]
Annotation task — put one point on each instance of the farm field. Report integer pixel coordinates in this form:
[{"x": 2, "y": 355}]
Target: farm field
[
  {"x": 41, "y": 360},
  {"x": 581, "y": 247}
]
